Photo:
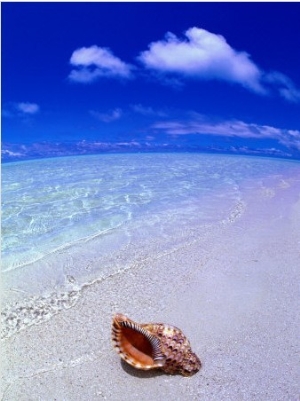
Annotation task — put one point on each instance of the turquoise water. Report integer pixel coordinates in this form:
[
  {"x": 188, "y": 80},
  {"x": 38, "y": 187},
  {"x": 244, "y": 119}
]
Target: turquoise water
[
  {"x": 70, "y": 221},
  {"x": 51, "y": 203}
]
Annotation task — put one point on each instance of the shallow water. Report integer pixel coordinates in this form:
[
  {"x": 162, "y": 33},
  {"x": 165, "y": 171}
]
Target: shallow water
[
  {"x": 68, "y": 222},
  {"x": 51, "y": 203}
]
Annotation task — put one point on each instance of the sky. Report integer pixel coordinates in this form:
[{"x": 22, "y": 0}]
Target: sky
[{"x": 92, "y": 77}]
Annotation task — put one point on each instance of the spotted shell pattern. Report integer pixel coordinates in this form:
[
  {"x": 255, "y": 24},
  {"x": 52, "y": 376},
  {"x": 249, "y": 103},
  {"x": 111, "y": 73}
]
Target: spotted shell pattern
[{"x": 153, "y": 346}]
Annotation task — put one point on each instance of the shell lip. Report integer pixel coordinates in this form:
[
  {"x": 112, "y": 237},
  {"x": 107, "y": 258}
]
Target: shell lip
[{"x": 119, "y": 318}]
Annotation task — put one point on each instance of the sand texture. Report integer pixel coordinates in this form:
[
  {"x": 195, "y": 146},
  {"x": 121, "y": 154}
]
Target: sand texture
[{"x": 235, "y": 296}]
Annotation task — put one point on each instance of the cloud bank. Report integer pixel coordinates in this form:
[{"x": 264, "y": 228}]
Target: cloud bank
[
  {"x": 234, "y": 128},
  {"x": 94, "y": 62}
]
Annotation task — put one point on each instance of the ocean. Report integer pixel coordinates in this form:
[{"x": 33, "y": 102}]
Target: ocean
[{"x": 69, "y": 222}]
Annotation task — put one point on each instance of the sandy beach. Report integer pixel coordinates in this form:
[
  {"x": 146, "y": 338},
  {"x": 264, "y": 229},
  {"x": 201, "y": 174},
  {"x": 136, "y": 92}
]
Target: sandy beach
[
  {"x": 150, "y": 201},
  {"x": 235, "y": 295}
]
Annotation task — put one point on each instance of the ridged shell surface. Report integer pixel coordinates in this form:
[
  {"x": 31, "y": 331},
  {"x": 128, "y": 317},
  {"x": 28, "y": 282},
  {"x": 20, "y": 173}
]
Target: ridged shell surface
[{"x": 153, "y": 346}]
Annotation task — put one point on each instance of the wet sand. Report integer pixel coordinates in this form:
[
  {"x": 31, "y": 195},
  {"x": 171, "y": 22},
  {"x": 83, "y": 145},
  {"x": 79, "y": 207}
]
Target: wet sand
[{"x": 235, "y": 296}]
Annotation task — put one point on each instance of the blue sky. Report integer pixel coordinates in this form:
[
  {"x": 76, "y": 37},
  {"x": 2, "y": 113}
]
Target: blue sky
[{"x": 87, "y": 77}]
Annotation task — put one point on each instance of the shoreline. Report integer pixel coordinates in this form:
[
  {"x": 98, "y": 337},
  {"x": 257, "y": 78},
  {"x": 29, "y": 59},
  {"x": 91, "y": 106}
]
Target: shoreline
[{"x": 235, "y": 297}]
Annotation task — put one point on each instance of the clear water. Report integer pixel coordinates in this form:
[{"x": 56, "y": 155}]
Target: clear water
[
  {"x": 68, "y": 222},
  {"x": 49, "y": 204}
]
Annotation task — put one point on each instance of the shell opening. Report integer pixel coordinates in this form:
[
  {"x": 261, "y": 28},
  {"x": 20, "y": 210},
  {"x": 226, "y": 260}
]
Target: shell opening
[{"x": 136, "y": 345}]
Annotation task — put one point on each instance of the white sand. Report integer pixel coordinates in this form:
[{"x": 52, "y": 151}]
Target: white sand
[{"x": 236, "y": 298}]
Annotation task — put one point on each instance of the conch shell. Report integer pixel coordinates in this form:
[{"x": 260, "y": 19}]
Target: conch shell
[{"x": 153, "y": 346}]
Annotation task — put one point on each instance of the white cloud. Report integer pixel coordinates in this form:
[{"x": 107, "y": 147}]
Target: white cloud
[
  {"x": 284, "y": 85},
  {"x": 84, "y": 75},
  {"x": 108, "y": 117},
  {"x": 95, "y": 62},
  {"x": 235, "y": 128},
  {"x": 10, "y": 153},
  {"x": 200, "y": 55},
  {"x": 203, "y": 55},
  {"x": 207, "y": 56},
  {"x": 147, "y": 110},
  {"x": 225, "y": 128},
  {"x": 28, "y": 108}
]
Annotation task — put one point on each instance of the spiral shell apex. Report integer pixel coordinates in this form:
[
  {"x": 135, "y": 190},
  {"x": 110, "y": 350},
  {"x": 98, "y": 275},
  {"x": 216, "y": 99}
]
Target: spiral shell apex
[{"x": 153, "y": 346}]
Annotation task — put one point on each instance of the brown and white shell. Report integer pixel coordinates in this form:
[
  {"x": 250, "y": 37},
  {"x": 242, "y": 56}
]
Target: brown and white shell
[{"x": 153, "y": 346}]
